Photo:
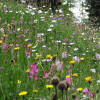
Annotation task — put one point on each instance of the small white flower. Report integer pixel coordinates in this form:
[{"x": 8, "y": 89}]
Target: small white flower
[
  {"x": 54, "y": 21},
  {"x": 32, "y": 13},
  {"x": 98, "y": 81},
  {"x": 35, "y": 21},
  {"x": 72, "y": 43},
  {"x": 44, "y": 46},
  {"x": 26, "y": 39},
  {"x": 51, "y": 25},
  {"x": 49, "y": 29},
  {"x": 40, "y": 11},
  {"x": 18, "y": 29},
  {"x": 93, "y": 70},
  {"x": 33, "y": 50},
  {"x": 75, "y": 49},
  {"x": 63, "y": 43},
  {"x": 82, "y": 33}
]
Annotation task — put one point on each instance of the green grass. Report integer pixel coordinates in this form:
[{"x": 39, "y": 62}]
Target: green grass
[{"x": 65, "y": 28}]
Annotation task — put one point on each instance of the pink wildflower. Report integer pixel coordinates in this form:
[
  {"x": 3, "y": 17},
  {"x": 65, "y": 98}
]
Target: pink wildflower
[
  {"x": 33, "y": 71},
  {"x": 86, "y": 91},
  {"x": 91, "y": 94},
  {"x": 46, "y": 75},
  {"x": 69, "y": 80},
  {"x": 4, "y": 46},
  {"x": 59, "y": 64},
  {"x": 27, "y": 53}
]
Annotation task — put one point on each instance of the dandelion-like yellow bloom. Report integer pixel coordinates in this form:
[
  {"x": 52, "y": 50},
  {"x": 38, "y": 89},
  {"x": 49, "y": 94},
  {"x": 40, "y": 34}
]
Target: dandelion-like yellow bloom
[
  {"x": 75, "y": 74},
  {"x": 81, "y": 59},
  {"x": 27, "y": 71},
  {"x": 49, "y": 86},
  {"x": 22, "y": 93},
  {"x": 88, "y": 79},
  {"x": 29, "y": 45},
  {"x": 38, "y": 55},
  {"x": 68, "y": 76},
  {"x": 79, "y": 89},
  {"x": 72, "y": 62},
  {"x": 49, "y": 56},
  {"x": 35, "y": 91},
  {"x": 0, "y": 41},
  {"x": 16, "y": 48},
  {"x": 18, "y": 81}
]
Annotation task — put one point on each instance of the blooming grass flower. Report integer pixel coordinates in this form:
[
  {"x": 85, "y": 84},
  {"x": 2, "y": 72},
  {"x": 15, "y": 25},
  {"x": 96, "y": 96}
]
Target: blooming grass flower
[
  {"x": 16, "y": 48},
  {"x": 59, "y": 64},
  {"x": 86, "y": 91},
  {"x": 0, "y": 41},
  {"x": 49, "y": 56},
  {"x": 35, "y": 91},
  {"x": 82, "y": 59},
  {"x": 29, "y": 45},
  {"x": 38, "y": 55},
  {"x": 72, "y": 62},
  {"x": 33, "y": 71},
  {"x": 75, "y": 75},
  {"x": 79, "y": 89},
  {"x": 46, "y": 75},
  {"x": 97, "y": 56},
  {"x": 88, "y": 79},
  {"x": 64, "y": 55},
  {"x": 68, "y": 79},
  {"x": 4, "y": 46},
  {"x": 18, "y": 81},
  {"x": 49, "y": 86},
  {"x": 27, "y": 71},
  {"x": 22, "y": 93}
]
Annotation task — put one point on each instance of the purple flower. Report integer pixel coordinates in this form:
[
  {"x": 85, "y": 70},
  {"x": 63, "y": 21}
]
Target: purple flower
[
  {"x": 97, "y": 56},
  {"x": 77, "y": 59},
  {"x": 5, "y": 8},
  {"x": 33, "y": 71},
  {"x": 64, "y": 55},
  {"x": 60, "y": 18}
]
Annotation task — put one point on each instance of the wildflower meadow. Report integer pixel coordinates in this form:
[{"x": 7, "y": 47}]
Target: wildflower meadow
[{"x": 45, "y": 55}]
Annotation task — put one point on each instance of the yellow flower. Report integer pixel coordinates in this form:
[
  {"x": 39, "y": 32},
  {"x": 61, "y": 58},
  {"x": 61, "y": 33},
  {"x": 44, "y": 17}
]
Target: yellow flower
[
  {"x": 29, "y": 45},
  {"x": 81, "y": 59},
  {"x": 79, "y": 89},
  {"x": 27, "y": 71},
  {"x": 88, "y": 79},
  {"x": 16, "y": 48},
  {"x": 72, "y": 62},
  {"x": 22, "y": 93},
  {"x": 75, "y": 74},
  {"x": 18, "y": 81},
  {"x": 68, "y": 76},
  {"x": 4, "y": 35},
  {"x": 49, "y": 86},
  {"x": 38, "y": 55},
  {"x": 35, "y": 91},
  {"x": 69, "y": 55},
  {"x": 49, "y": 56},
  {"x": 0, "y": 41}
]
